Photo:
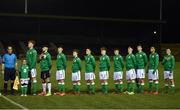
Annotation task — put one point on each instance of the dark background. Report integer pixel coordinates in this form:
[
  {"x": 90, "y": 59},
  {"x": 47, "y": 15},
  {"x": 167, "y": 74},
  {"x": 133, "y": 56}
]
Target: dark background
[{"x": 16, "y": 26}]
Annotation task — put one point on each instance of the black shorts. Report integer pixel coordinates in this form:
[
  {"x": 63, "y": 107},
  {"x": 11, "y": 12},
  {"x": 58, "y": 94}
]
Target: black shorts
[
  {"x": 9, "y": 74},
  {"x": 45, "y": 75}
]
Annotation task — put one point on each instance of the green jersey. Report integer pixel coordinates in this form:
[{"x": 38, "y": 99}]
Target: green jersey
[
  {"x": 118, "y": 63},
  {"x": 90, "y": 64},
  {"x": 45, "y": 63},
  {"x": 104, "y": 63},
  {"x": 168, "y": 62},
  {"x": 61, "y": 61},
  {"x": 130, "y": 62},
  {"x": 141, "y": 60},
  {"x": 31, "y": 57},
  {"x": 153, "y": 61},
  {"x": 24, "y": 71},
  {"x": 76, "y": 66}
]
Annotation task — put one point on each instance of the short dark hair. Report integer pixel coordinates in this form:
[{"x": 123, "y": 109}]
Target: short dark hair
[
  {"x": 32, "y": 41},
  {"x": 116, "y": 49},
  {"x": 103, "y": 48},
  {"x": 76, "y": 50}
]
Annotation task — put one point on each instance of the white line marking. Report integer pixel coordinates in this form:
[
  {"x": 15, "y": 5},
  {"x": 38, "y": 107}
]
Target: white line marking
[{"x": 13, "y": 102}]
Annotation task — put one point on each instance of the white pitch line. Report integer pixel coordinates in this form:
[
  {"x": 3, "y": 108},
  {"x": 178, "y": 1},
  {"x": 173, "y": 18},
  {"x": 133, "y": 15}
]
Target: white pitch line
[{"x": 13, "y": 102}]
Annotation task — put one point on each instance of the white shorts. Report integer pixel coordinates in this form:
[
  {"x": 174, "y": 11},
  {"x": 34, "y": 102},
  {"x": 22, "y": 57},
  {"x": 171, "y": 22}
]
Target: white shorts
[
  {"x": 33, "y": 73},
  {"x": 60, "y": 74},
  {"x": 131, "y": 74},
  {"x": 24, "y": 81},
  {"x": 168, "y": 75},
  {"x": 152, "y": 76},
  {"x": 104, "y": 75},
  {"x": 140, "y": 73},
  {"x": 89, "y": 76},
  {"x": 76, "y": 76},
  {"x": 118, "y": 75}
]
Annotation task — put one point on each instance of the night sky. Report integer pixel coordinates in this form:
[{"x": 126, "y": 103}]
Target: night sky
[{"x": 123, "y": 9}]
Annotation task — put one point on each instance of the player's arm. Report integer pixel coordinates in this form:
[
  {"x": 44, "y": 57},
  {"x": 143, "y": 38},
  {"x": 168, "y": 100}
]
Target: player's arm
[
  {"x": 108, "y": 62},
  {"x": 16, "y": 64},
  {"x": 134, "y": 60},
  {"x": 145, "y": 59},
  {"x": 163, "y": 61},
  {"x": 2, "y": 67},
  {"x": 64, "y": 61},
  {"x": 93, "y": 63},
  {"x": 173, "y": 62},
  {"x": 121, "y": 62},
  {"x": 156, "y": 62},
  {"x": 34, "y": 58},
  {"x": 79, "y": 63},
  {"x": 49, "y": 61}
]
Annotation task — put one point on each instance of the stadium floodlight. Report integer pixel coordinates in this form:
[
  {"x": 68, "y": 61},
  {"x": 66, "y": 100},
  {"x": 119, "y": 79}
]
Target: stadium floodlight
[{"x": 25, "y": 6}]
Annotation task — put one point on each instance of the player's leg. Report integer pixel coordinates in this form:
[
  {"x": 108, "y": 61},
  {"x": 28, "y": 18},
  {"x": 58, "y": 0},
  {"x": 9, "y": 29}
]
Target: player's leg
[
  {"x": 166, "y": 81},
  {"x": 22, "y": 87},
  {"x": 25, "y": 86},
  {"x": 156, "y": 81},
  {"x": 78, "y": 82},
  {"x": 128, "y": 81},
  {"x": 34, "y": 81},
  {"x": 29, "y": 83},
  {"x": 6, "y": 78},
  {"x": 12, "y": 77},
  {"x": 150, "y": 77},
  {"x": 133, "y": 77},
  {"x": 106, "y": 81},
  {"x": 87, "y": 78},
  {"x": 48, "y": 83},
  {"x": 172, "y": 82},
  {"x": 116, "y": 82},
  {"x": 138, "y": 79},
  {"x": 101, "y": 76},
  {"x": 43, "y": 78},
  {"x": 142, "y": 80}
]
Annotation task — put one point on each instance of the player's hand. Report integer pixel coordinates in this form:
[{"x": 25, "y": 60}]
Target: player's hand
[
  {"x": 154, "y": 72},
  {"x": 171, "y": 71},
  {"x": 2, "y": 71},
  {"x": 41, "y": 56},
  {"x": 17, "y": 72}
]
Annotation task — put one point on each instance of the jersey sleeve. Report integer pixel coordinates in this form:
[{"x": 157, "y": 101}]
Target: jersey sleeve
[
  {"x": 173, "y": 62},
  {"x": 145, "y": 59},
  {"x": 134, "y": 60},
  {"x": 49, "y": 61},
  {"x": 121, "y": 61},
  {"x": 34, "y": 58},
  {"x": 156, "y": 62},
  {"x": 79, "y": 63},
  {"x": 108, "y": 62},
  {"x": 93, "y": 63},
  {"x": 64, "y": 61}
]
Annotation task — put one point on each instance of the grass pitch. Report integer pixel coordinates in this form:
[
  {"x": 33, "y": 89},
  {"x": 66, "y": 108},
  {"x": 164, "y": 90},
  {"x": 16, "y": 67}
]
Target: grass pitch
[{"x": 97, "y": 101}]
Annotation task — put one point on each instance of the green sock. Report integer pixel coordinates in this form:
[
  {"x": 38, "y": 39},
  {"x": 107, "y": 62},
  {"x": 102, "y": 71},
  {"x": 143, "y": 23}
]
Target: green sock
[
  {"x": 93, "y": 88},
  {"x": 133, "y": 87},
  {"x": 106, "y": 88},
  {"x": 116, "y": 87},
  {"x": 25, "y": 90},
  {"x": 172, "y": 88},
  {"x": 121, "y": 87},
  {"x": 22, "y": 90},
  {"x": 156, "y": 86},
  {"x": 74, "y": 88},
  {"x": 103, "y": 88},
  {"x": 59, "y": 86},
  {"x": 150, "y": 86},
  {"x": 78, "y": 88},
  {"x": 166, "y": 88},
  {"x": 138, "y": 87},
  {"x": 142, "y": 87},
  {"x": 34, "y": 87},
  {"x": 128, "y": 87},
  {"x": 88, "y": 87}
]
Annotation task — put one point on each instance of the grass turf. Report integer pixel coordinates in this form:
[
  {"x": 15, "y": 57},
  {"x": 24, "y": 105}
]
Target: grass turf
[{"x": 97, "y": 101}]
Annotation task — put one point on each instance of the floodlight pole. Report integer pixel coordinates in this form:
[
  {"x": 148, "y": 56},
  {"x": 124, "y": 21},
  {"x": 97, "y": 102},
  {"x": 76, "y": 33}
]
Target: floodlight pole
[{"x": 25, "y": 7}]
